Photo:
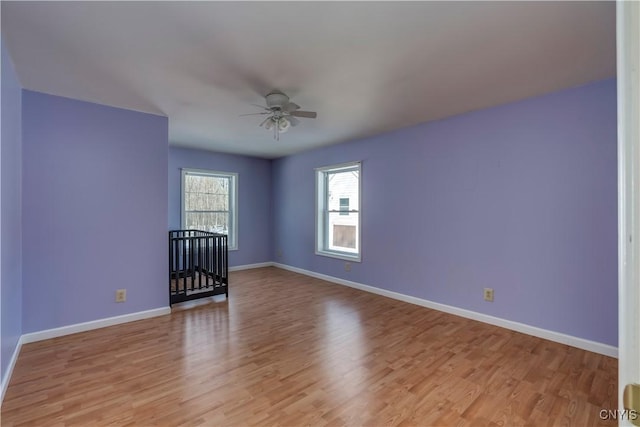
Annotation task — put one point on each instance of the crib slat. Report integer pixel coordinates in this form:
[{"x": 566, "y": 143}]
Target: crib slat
[
  {"x": 199, "y": 263},
  {"x": 206, "y": 261},
  {"x": 170, "y": 263},
  {"x": 184, "y": 265}
]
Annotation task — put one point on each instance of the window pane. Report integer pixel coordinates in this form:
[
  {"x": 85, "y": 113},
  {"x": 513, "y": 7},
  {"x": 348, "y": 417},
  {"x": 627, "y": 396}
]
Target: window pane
[
  {"x": 206, "y": 193},
  {"x": 343, "y": 232},
  {"x": 207, "y": 221},
  {"x": 342, "y": 190}
]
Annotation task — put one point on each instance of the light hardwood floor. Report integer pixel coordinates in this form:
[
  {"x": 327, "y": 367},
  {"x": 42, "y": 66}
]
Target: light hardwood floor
[{"x": 290, "y": 350}]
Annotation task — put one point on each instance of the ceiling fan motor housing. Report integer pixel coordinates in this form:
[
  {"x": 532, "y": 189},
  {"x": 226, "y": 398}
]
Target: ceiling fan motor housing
[{"x": 277, "y": 100}]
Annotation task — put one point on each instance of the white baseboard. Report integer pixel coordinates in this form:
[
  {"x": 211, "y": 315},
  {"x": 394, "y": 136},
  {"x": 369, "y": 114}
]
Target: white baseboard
[
  {"x": 12, "y": 363},
  {"x": 582, "y": 343},
  {"x": 94, "y": 324},
  {"x": 250, "y": 266}
]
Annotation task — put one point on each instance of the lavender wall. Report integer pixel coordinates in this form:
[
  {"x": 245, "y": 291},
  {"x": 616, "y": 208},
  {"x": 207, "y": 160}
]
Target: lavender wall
[
  {"x": 94, "y": 211},
  {"x": 520, "y": 198},
  {"x": 10, "y": 213},
  {"x": 254, "y": 198}
]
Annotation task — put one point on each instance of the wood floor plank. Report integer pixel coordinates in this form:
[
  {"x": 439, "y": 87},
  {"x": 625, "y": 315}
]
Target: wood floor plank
[{"x": 289, "y": 350}]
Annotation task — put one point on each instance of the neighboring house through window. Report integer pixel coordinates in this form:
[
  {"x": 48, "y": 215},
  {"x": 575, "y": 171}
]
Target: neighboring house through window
[
  {"x": 210, "y": 203},
  {"x": 338, "y": 211}
]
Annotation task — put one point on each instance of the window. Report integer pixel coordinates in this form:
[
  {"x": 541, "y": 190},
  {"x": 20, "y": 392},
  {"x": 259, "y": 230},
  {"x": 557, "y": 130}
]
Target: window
[
  {"x": 209, "y": 203},
  {"x": 338, "y": 211}
]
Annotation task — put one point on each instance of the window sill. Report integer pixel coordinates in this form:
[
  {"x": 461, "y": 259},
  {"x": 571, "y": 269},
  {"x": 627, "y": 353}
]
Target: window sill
[{"x": 340, "y": 255}]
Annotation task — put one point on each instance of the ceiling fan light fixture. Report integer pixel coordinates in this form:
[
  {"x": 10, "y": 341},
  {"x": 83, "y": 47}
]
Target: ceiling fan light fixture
[
  {"x": 269, "y": 124},
  {"x": 283, "y": 124}
]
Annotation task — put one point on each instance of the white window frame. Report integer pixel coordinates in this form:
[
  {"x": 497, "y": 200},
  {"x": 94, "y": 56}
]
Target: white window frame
[
  {"x": 321, "y": 223},
  {"x": 233, "y": 200}
]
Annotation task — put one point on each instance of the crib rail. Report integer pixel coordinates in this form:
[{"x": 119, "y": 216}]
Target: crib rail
[{"x": 198, "y": 265}]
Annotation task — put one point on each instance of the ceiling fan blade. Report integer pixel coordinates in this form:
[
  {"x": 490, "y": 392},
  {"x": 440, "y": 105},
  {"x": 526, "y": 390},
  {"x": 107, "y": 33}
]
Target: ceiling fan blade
[
  {"x": 255, "y": 114},
  {"x": 307, "y": 114},
  {"x": 292, "y": 106},
  {"x": 293, "y": 121},
  {"x": 260, "y": 106},
  {"x": 265, "y": 121}
]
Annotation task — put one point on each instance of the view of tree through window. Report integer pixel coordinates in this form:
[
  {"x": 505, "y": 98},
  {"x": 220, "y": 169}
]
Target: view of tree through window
[
  {"x": 209, "y": 200},
  {"x": 206, "y": 200}
]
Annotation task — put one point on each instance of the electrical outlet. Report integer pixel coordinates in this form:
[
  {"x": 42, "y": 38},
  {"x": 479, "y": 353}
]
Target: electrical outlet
[
  {"x": 121, "y": 295},
  {"x": 488, "y": 294},
  {"x": 347, "y": 266},
  {"x": 279, "y": 253}
]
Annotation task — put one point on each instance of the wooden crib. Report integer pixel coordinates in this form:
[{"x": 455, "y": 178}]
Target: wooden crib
[{"x": 198, "y": 265}]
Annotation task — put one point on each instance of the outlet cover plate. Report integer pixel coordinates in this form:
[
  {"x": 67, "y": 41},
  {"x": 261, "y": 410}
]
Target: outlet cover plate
[{"x": 121, "y": 295}]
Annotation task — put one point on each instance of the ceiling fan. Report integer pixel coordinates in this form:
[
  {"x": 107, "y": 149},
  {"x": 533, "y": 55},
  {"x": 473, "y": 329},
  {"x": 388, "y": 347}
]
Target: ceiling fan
[{"x": 282, "y": 113}]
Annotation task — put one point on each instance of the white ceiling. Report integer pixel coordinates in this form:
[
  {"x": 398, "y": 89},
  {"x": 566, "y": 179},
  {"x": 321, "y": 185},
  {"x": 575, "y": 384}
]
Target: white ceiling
[{"x": 365, "y": 67}]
